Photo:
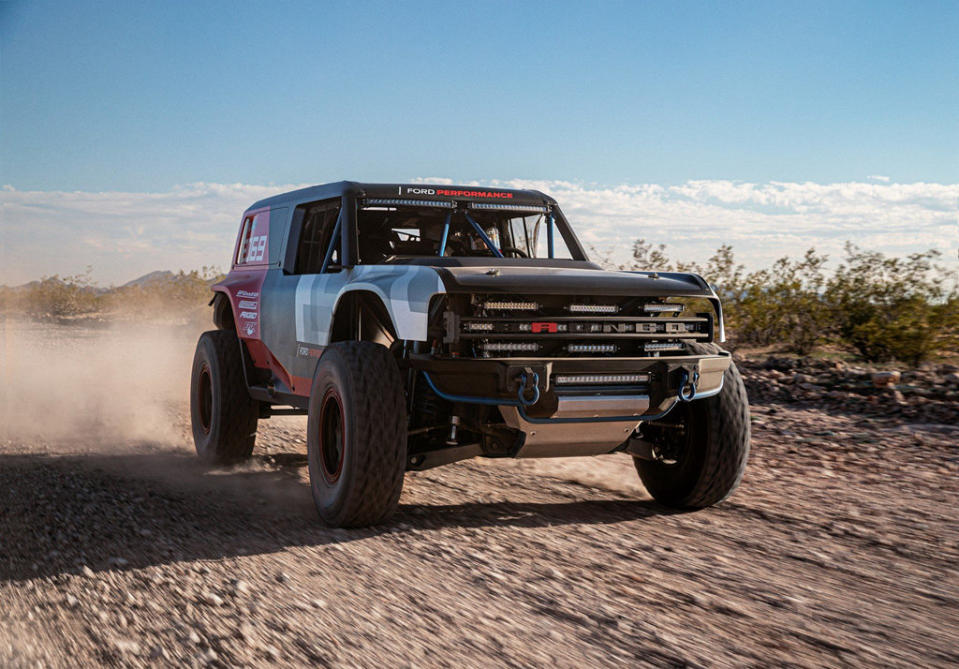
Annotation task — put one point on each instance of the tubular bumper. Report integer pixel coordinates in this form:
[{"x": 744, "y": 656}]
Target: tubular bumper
[{"x": 508, "y": 382}]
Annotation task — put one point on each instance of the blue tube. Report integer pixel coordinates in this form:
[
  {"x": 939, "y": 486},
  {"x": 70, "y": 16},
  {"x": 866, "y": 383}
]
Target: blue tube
[
  {"x": 482, "y": 234},
  {"x": 469, "y": 399},
  {"x": 446, "y": 234},
  {"x": 334, "y": 240},
  {"x": 549, "y": 235}
]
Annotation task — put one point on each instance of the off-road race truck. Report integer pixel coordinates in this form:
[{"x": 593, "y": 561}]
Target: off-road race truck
[{"x": 418, "y": 325}]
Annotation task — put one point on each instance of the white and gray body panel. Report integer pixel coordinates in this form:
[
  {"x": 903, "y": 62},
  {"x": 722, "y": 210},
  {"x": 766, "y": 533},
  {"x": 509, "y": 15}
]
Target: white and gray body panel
[{"x": 298, "y": 310}]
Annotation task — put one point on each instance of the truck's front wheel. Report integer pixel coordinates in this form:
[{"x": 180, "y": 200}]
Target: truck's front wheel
[
  {"x": 356, "y": 434},
  {"x": 222, "y": 413},
  {"x": 701, "y": 447}
]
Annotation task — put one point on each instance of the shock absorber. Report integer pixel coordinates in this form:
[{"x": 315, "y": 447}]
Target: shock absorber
[{"x": 454, "y": 423}]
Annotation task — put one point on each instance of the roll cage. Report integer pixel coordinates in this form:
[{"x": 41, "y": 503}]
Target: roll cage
[{"x": 344, "y": 237}]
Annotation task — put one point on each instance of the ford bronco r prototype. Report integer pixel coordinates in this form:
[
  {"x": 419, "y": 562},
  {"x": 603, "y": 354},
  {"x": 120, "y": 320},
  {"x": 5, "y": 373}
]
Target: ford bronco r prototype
[{"x": 419, "y": 325}]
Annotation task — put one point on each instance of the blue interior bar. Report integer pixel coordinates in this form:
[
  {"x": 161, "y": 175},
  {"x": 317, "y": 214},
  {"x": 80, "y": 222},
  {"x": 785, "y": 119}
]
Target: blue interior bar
[
  {"x": 549, "y": 234},
  {"x": 483, "y": 235},
  {"x": 446, "y": 234},
  {"x": 334, "y": 242}
]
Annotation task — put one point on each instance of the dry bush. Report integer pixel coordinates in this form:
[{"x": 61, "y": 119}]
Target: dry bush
[
  {"x": 881, "y": 308},
  {"x": 892, "y": 308},
  {"x": 173, "y": 298},
  {"x": 183, "y": 296}
]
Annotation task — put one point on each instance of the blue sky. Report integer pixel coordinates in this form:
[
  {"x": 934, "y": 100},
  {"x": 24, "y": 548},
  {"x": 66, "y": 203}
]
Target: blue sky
[
  {"x": 133, "y": 134},
  {"x": 144, "y": 96}
]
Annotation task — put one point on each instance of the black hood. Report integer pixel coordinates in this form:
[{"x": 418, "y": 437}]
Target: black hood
[{"x": 584, "y": 279}]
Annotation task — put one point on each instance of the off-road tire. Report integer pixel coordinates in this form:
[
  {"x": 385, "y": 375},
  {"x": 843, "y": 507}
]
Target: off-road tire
[
  {"x": 358, "y": 482},
  {"x": 222, "y": 412},
  {"x": 716, "y": 450}
]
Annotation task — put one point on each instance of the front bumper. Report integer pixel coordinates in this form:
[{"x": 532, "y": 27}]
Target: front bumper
[{"x": 665, "y": 378}]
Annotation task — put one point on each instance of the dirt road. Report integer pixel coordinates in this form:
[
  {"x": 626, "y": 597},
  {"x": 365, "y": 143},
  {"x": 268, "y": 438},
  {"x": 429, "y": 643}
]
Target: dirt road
[{"x": 841, "y": 547}]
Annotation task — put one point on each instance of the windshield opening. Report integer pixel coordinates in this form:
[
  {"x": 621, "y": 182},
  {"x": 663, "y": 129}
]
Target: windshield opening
[{"x": 389, "y": 232}]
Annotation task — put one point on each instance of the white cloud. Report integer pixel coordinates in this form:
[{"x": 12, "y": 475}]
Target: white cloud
[
  {"x": 124, "y": 235},
  {"x": 879, "y": 177}
]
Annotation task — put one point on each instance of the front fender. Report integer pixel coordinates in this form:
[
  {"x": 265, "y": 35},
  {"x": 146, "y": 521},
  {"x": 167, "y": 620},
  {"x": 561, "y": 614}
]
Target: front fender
[{"x": 405, "y": 291}]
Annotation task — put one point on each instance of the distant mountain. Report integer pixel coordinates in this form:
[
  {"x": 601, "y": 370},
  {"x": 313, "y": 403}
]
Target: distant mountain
[{"x": 152, "y": 277}]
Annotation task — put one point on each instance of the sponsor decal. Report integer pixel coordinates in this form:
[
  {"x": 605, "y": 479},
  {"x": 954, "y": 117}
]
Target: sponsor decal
[
  {"x": 247, "y": 304},
  {"x": 450, "y": 192},
  {"x": 308, "y": 352},
  {"x": 250, "y": 329},
  {"x": 247, "y": 293},
  {"x": 248, "y": 315},
  {"x": 473, "y": 193}
]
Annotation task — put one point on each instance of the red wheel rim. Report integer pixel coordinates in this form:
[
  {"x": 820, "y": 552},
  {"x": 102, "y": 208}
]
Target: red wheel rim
[
  {"x": 204, "y": 398},
  {"x": 332, "y": 437}
]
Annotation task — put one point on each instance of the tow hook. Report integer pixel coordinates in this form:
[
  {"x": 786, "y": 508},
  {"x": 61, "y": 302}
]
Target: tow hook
[
  {"x": 687, "y": 387},
  {"x": 525, "y": 378}
]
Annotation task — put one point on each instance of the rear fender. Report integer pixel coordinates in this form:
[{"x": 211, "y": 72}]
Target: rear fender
[{"x": 243, "y": 289}]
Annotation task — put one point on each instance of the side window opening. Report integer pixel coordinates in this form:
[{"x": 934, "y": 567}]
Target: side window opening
[
  {"x": 253, "y": 240},
  {"x": 244, "y": 248},
  {"x": 316, "y": 235}
]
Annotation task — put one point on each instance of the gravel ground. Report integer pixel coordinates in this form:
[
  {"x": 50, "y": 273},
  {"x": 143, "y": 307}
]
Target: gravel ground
[{"x": 841, "y": 547}]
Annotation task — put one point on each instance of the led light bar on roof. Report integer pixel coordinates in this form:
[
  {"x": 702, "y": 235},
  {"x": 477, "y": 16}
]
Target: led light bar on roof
[
  {"x": 510, "y": 207},
  {"x": 511, "y": 306},
  {"x": 400, "y": 202},
  {"x": 593, "y": 308},
  {"x": 509, "y": 346},
  {"x": 659, "y": 308},
  {"x": 664, "y": 346},
  {"x": 599, "y": 379}
]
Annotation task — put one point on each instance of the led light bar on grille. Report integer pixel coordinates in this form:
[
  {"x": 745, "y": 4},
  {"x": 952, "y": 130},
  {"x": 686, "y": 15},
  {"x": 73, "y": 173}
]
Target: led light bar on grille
[
  {"x": 479, "y": 327},
  {"x": 509, "y": 346},
  {"x": 400, "y": 202},
  {"x": 591, "y": 348},
  {"x": 599, "y": 379},
  {"x": 512, "y": 306},
  {"x": 510, "y": 207},
  {"x": 664, "y": 346},
  {"x": 660, "y": 308},
  {"x": 593, "y": 308}
]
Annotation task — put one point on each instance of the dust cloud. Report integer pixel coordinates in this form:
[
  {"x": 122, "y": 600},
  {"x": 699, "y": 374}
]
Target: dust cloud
[
  {"x": 122, "y": 383},
  {"x": 125, "y": 388}
]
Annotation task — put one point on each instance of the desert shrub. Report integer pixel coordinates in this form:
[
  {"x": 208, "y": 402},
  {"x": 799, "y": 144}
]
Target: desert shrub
[
  {"x": 177, "y": 295},
  {"x": 58, "y": 298},
  {"x": 8, "y": 299},
  {"x": 892, "y": 308},
  {"x": 784, "y": 304},
  {"x": 780, "y": 305},
  {"x": 167, "y": 296},
  {"x": 880, "y": 307}
]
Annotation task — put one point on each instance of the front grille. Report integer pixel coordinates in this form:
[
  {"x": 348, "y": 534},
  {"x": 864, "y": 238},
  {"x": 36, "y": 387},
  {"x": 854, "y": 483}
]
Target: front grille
[{"x": 559, "y": 326}]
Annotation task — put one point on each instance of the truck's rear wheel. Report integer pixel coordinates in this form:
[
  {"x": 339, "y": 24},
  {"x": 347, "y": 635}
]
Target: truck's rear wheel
[
  {"x": 221, "y": 411},
  {"x": 356, "y": 434},
  {"x": 702, "y": 447}
]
